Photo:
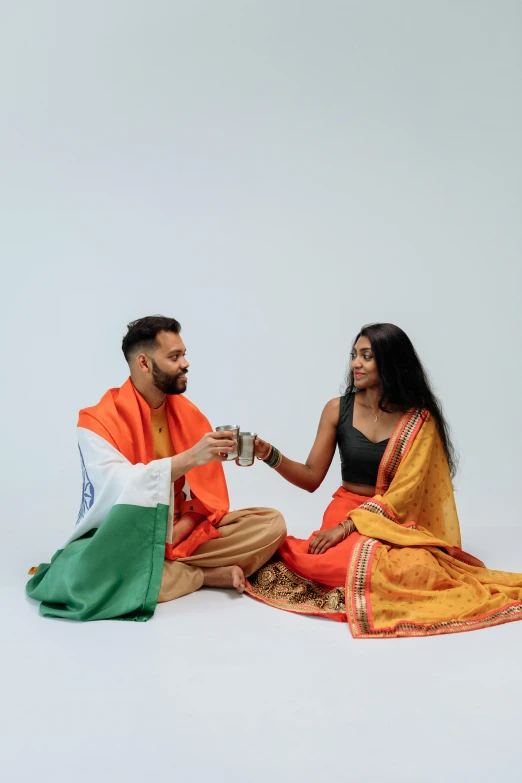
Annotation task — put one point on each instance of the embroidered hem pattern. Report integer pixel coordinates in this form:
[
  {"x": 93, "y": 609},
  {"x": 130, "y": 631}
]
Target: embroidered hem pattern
[
  {"x": 358, "y": 605},
  {"x": 275, "y": 584},
  {"x": 398, "y": 446},
  {"x": 378, "y": 508}
]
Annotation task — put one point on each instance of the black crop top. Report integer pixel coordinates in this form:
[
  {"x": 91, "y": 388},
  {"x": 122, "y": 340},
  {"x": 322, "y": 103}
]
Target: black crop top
[{"x": 360, "y": 457}]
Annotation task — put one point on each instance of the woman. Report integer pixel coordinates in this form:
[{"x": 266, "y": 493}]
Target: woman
[{"x": 387, "y": 558}]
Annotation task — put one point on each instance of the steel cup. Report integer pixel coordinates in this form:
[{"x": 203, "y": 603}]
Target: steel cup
[
  {"x": 247, "y": 449},
  {"x": 234, "y": 434}
]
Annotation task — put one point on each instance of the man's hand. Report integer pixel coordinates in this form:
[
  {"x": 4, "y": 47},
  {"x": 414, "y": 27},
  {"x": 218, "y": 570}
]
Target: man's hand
[
  {"x": 214, "y": 446},
  {"x": 326, "y": 539}
]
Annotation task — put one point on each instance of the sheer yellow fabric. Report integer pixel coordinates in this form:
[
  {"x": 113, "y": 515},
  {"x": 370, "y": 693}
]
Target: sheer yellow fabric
[
  {"x": 421, "y": 492},
  {"x": 401, "y": 572},
  {"x": 407, "y": 574}
]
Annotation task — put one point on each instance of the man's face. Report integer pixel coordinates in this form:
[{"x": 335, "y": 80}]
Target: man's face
[{"x": 169, "y": 365}]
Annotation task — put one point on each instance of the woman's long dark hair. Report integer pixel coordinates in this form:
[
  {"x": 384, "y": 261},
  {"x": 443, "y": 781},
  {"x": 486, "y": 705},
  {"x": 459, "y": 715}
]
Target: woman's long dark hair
[{"x": 405, "y": 382}]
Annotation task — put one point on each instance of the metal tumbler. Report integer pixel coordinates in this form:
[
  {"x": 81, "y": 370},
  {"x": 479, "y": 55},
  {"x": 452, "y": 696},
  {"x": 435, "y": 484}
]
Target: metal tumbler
[
  {"x": 247, "y": 449},
  {"x": 234, "y": 434}
]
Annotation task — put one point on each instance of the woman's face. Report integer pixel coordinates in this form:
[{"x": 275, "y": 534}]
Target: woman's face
[{"x": 363, "y": 364}]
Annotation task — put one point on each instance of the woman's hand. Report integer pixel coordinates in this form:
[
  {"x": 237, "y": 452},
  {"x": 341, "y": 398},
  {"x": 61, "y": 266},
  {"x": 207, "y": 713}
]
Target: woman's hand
[
  {"x": 326, "y": 539},
  {"x": 262, "y": 448}
]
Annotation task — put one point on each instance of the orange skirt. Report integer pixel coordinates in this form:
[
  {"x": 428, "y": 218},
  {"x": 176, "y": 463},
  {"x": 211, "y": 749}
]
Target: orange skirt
[
  {"x": 329, "y": 569},
  {"x": 297, "y": 581},
  {"x": 387, "y": 590}
]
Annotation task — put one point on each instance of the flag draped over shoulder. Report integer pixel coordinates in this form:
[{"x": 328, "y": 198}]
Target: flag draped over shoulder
[{"x": 111, "y": 564}]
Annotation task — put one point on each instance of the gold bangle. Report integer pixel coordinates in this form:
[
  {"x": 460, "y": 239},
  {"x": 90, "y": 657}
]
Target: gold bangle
[{"x": 351, "y": 527}]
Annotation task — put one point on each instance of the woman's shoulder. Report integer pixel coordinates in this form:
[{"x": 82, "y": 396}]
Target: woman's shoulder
[
  {"x": 336, "y": 410},
  {"x": 331, "y": 410},
  {"x": 333, "y": 404},
  {"x": 345, "y": 404},
  {"x": 421, "y": 422}
]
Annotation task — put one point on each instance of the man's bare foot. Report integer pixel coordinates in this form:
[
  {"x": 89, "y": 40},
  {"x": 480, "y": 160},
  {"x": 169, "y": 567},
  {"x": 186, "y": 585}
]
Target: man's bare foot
[{"x": 226, "y": 576}]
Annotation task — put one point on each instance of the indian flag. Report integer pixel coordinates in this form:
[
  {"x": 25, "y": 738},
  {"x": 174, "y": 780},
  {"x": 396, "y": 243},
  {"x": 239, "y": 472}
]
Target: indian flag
[{"x": 111, "y": 565}]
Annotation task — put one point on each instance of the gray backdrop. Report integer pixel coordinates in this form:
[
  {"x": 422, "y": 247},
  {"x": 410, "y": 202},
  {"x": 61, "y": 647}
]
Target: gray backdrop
[{"x": 274, "y": 174}]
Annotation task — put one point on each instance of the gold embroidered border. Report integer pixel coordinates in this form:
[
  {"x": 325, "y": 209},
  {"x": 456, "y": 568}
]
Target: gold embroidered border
[
  {"x": 397, "y": 447},
  {"x": 357, "y": 608},
  {"x": 376, "y": 508},
  {"x": 275, "y": 584},
  {"x": 507, "y": 615},
  {"x": 464, "y": 557},
  {"x": 355, "y": 587}
]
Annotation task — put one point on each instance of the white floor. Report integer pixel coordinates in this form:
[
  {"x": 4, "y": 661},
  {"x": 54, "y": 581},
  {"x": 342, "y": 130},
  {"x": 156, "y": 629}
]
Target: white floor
[{"x": 223, "y": 688}]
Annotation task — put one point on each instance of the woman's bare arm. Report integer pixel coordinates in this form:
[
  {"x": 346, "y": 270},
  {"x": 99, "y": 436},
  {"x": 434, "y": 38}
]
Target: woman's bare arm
[{"x": 310, "y": 475}]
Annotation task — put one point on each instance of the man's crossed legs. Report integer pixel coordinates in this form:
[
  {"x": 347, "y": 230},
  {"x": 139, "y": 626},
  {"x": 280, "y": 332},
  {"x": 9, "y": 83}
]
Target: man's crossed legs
[{"x": 249, "y": 538}]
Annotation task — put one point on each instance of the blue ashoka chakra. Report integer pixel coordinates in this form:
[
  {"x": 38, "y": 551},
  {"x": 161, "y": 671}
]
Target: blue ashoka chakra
[{"x": 87, "y": 491}]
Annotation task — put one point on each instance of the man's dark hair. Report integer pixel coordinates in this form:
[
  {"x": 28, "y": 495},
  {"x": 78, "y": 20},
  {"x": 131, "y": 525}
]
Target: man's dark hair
[{"x": 141, "y": 334}]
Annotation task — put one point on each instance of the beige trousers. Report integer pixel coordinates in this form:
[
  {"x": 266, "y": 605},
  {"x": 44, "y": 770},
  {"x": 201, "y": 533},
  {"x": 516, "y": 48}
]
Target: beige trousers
[{"x": 249, "y": 538}]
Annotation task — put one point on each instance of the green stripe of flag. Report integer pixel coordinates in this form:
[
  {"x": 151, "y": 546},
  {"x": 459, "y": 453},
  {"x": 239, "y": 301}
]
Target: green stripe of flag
[{"x": 113, "y": 572}]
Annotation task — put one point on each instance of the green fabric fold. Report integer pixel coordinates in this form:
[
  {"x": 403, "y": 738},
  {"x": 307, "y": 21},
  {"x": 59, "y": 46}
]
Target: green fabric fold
[{"x": 113, "y": 572}]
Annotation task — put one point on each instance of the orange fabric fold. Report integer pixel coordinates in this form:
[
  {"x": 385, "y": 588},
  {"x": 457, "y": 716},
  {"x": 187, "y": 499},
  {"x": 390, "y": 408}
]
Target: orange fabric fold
[
  {"x": 202, "y": 533},
  {"x": 328, "y": 569},
  {"x": 122, "y": 418}
]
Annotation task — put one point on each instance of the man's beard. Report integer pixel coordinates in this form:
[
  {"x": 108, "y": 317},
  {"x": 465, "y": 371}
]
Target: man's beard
[{"x": 167, "y": 383}]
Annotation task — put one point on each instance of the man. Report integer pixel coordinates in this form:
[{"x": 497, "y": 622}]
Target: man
[{"x": 154, "y": 522}]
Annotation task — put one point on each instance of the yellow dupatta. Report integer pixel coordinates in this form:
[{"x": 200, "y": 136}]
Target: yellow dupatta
[
  {"x": 407, "y": 575},
  {"x": 414, "y": 489}
]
